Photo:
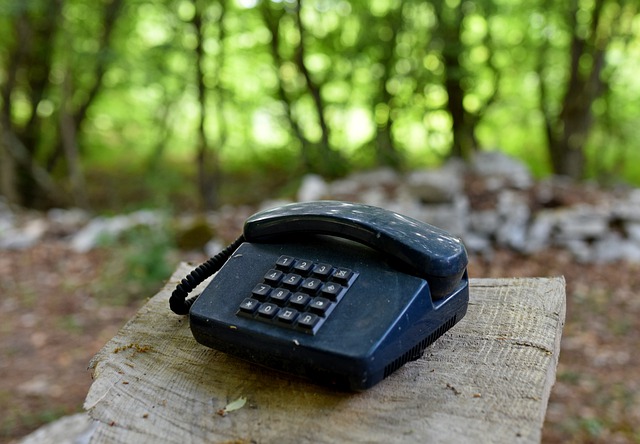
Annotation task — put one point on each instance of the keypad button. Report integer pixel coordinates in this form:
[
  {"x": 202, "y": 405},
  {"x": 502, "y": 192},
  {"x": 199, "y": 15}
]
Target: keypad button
[
  {"x": 249, "y": 306},
  {"x": 303, "y": 267},
  {"x": 261, "y": 291},
  {"x": 320, "y": 305},
  {"x": 292, "y": 281},
  {"x": 311, "y": 285},
  {"x": 267, "y": 310},
  {"x": 280, "y": 296},
  {"x": 300, "y": 300},
  {"x": 287, "y": 315},
  {"x": 285, "y": 262},
  {"x": 297, "y": 294},
  {"x": 342, "y": 275},
  {"x": 308, "y": 320},
  {"x": 331, "y": 290},
  {"x": 273, "y": 277},
  {"x": 323, "y": 271}
]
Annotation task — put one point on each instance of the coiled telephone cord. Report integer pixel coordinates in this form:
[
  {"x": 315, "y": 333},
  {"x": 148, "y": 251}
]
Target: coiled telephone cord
[{"x": 178, "y": 301}]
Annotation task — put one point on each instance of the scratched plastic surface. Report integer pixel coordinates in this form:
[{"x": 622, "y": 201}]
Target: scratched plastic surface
[
  {"x": 385, "y": 318},
  {"x": 425, "y": 250}
]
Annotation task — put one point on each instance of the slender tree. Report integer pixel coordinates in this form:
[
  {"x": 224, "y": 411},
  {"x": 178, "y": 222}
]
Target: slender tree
[
  {"x": 457, "y": 76},
  {"x": 35, "y": 143},
  {"x": 568, "y": 129},
  {"x": 386, "y": 151},
  {"x": 207, "y": 150},
  {"x": 317, "y": 156}
]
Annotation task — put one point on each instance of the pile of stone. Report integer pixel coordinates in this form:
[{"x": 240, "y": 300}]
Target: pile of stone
[
  {"x": 24, "y": 229},
  {"x": 493, "y": 202}
]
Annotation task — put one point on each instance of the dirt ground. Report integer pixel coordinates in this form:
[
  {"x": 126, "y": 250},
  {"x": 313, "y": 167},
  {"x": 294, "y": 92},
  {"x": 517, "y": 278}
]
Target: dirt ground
[{"x": 54, "y": 317}]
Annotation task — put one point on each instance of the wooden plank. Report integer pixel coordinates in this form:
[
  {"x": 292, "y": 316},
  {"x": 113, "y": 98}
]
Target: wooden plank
[{"x": 488, "y": 379}]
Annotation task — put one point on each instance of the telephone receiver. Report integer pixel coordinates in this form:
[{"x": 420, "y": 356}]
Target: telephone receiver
[
  {"x": 418, "y": 248},
  {"x": 341, "y": 293}
]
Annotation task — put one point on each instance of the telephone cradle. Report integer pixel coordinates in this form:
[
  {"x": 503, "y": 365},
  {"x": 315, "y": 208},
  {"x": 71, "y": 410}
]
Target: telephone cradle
[{"x": 342, "y": 293}]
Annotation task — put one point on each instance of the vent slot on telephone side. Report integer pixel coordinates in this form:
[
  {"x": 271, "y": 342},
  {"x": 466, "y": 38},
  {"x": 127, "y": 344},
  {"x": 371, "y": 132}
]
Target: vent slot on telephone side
[{"x": 416, "y": 351}]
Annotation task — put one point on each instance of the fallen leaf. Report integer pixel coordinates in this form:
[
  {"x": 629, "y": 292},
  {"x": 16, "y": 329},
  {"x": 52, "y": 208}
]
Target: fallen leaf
[{"x": 232, "y": 406}]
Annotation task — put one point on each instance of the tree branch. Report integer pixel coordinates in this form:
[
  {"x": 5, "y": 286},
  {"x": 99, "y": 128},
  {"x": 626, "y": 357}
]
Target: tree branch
[
  {"x": 19, "y": 152},
  {"x": 314, "y": 89}
]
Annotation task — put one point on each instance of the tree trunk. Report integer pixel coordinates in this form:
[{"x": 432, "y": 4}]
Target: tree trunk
[
  {"x": 68, "y": 136},
  {"x": 386, "y": 151},
  {"x": 326, "y": 161},
  {"x": 207, "y": 160},
  {"x": 462, "y": 122},
  {"x": 7, "y": 175},
  {"x": 567, "y": 134},
  {"x": 273, "y": 25}
]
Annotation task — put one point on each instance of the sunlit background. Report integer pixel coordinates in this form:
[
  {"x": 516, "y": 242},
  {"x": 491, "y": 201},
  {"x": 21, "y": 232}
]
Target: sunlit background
[
  {"x": 95, "y": 89},
  {"x": 190, "y": 108}
]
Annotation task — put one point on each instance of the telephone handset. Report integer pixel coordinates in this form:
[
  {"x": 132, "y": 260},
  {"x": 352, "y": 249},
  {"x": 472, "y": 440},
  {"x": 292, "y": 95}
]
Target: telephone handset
[{"x": 339, "y": 292}]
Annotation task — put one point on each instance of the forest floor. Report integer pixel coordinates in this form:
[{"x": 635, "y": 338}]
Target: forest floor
[{"x": 55, "y": 314}]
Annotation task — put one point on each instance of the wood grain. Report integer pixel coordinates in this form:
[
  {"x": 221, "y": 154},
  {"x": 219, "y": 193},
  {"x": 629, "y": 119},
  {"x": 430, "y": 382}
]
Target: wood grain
[{"x": 487, "y": 380}]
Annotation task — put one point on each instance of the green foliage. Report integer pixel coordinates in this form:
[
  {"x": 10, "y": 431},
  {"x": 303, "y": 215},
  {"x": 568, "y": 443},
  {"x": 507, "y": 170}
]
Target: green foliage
[
  {"x": 315, "y": 85},
  {"x": 140, "y": 260}
]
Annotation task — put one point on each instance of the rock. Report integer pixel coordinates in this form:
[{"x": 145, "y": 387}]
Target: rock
[
  {"x": 515, "y": 213},
  {"x": 6, "y": 215},
  {"x": 540, "y": 231},
  {"x": 633, "y": 231},
  {"x": 64, "y": 222},
  {"x": 376, "y": 196},
  {"x": 312, "y": 187},
  {"x": 475, "y": 243},
  {"x": 452, "y": 217},
  {"x": 484, "y": 222},
  {"x": 24, "y": 236},
  {"x": 350, "y": 188},
  {"x": 100, "y": 228},
  {"x": 613, "y": 247},
  {"x": 582, "y": 222},
  {"x": 501, "y": 170},
  {"x": 628, "y": 209},
  {"x": 268, "y": 204},
  {"x": 578, "y": 248},
  {"x": 436, "y": 186}
]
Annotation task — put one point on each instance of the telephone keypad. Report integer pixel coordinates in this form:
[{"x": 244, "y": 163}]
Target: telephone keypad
[{"x": 297, "y": 293}]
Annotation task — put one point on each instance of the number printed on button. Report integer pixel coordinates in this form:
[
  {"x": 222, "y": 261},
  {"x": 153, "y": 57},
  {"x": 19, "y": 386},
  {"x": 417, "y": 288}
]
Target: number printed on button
[{"x": 298, "y": 294}]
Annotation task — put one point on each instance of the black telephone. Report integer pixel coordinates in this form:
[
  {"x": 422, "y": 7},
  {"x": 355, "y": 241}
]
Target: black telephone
[{"x": 339, "y": 292}]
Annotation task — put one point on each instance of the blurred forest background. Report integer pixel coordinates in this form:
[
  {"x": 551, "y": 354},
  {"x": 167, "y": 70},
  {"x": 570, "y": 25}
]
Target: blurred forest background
[
  {"x": 188, "y": 105},
  {"x": 199, "y": 98}
]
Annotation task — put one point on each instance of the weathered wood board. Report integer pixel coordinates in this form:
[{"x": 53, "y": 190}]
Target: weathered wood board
[{"x": 487, "y": 380}]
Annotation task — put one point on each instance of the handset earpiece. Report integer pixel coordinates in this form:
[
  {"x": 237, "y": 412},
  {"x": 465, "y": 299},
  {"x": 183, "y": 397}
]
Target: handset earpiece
[{"x": 422, "y": 249}]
